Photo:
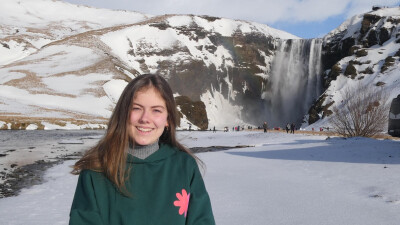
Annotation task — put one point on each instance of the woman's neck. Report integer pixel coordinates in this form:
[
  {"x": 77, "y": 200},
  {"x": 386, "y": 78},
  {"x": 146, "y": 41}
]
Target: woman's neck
[{"x": 143, "y": 151}]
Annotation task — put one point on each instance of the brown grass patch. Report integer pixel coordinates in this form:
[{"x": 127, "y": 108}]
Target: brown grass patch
[
  {"x": 21, "y": 122},
  {"x": 33, "y": 84}
]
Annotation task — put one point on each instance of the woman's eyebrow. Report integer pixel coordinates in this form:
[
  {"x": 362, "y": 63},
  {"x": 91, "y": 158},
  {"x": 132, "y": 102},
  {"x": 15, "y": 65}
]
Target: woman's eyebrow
[
  {"x": 153, "y": 106},
  {"x": 158, "y": 106}
]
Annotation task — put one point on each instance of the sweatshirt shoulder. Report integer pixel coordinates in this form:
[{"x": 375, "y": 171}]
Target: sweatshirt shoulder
[
  {"x": 184, "y": 155},
  {"x": 91, "y": 175}
]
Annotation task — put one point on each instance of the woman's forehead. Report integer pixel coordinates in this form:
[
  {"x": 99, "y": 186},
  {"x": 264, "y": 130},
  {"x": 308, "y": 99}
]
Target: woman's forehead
[{"x": 146, "y": 91}]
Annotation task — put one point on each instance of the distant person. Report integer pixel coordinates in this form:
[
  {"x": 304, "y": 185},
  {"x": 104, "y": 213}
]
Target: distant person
[
  {"x": 190, "y": 127},
  {"x": 287, "y": 128},
  {"x": 265, "y": 126},
  {"x": 292, "y": 128},
  {"x": 139, "y": 173},
  {"x": 214, "y": 129}
]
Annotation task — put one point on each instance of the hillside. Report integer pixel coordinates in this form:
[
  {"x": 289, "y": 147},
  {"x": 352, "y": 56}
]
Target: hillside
[
  {"x": 74, "y": 79},
  {"x": 364, "y": 50}
]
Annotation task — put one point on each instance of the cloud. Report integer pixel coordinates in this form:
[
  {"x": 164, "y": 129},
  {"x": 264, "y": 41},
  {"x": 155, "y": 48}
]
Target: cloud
[{"x": 262, "y": 11}]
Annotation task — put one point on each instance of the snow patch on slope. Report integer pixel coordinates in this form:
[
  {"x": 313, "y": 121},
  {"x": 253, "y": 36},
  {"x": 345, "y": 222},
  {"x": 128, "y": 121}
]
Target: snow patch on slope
[
  {"x": 114, "y": 89},
  {"x": 220, "y": 112}
]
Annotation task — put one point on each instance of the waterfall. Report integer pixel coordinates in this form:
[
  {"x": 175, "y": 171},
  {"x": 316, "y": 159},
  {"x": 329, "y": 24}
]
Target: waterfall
[{"x": 295, "y": 81}]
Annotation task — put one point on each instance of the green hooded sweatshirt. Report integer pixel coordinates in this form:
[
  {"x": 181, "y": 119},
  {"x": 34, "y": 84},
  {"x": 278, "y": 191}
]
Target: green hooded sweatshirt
[{"x": 166, "y": 188}]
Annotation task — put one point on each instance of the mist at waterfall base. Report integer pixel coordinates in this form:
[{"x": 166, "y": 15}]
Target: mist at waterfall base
[{"x": 296, "y": 81}]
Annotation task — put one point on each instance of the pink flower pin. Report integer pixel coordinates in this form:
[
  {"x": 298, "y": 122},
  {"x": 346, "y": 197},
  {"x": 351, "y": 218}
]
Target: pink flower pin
[{"x": 182, "y": 202}]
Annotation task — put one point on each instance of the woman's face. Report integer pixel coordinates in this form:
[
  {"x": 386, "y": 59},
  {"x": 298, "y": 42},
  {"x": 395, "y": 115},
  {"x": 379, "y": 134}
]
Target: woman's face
[{"x": 148, "y": 117}]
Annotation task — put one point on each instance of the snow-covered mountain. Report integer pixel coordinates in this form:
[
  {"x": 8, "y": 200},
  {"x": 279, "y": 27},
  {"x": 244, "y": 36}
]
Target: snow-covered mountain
[
  {"x": 69, "y": 68},
  {"x": 65, "y": 67},
  {"x": 27, "y": 26},
  {"x": 364, "y": 50}
]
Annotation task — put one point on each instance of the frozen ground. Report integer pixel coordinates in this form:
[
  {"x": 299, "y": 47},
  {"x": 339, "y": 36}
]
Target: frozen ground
[{"x": 285, "y": 179}]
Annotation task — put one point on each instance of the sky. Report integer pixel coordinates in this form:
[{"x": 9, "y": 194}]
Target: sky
[{"x": 303, "y": 18}]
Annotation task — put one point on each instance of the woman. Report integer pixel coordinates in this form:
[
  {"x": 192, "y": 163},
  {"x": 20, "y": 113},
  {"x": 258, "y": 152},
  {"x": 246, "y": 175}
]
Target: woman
[{"x": 139, "y": 173}]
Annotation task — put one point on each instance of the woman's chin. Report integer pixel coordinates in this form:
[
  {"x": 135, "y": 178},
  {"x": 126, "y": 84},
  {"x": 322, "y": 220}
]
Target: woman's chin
[{"x": 145, "y": 141}]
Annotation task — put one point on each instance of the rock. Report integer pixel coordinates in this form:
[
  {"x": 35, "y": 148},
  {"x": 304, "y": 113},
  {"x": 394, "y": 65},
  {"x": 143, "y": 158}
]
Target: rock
[{"x": 350, "y": 70}]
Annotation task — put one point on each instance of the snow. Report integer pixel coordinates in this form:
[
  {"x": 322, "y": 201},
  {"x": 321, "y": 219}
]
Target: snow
[
  {"x": 226, "y": 27},
  {"x": 386, "y": 11},
  {"x": 73, "y": 16},
  {"x": 14, "y": 52},
  {"x": 71, "y": 141},
  {"x": 285, "y": 179},
  {"x": 353, "y": 24},
  {"x": 63, "y": 72},
  {"x": 144, "y": 39},
  {"x": 177, "y": 21},
  {"x": 220, "y": 112},
  {"x": 114, "y": 89},
  {"x": 58, "y": 58},
  {"x": 32, "y": 127},
  {"x": 92, "y": 104},
  {"x": 140, "y": 39},
  {"x": 375, "y": 59},
  {"x": 26, "y": 27},
  {"x": 73, "y": 84},
  {"x": 350, "y": 26}
]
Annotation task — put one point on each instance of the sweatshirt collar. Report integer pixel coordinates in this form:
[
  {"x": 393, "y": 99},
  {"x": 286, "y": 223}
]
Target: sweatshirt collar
[{"x": 164, "y": 152}]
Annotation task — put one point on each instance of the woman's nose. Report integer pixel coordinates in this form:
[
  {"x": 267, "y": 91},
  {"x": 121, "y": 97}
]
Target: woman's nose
[{"x": 145, "y": 116}]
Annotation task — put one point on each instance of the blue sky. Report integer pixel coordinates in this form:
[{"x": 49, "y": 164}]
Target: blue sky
[
  {"x": 304, "y": 18},
  {"x": 310, "y": 29}
]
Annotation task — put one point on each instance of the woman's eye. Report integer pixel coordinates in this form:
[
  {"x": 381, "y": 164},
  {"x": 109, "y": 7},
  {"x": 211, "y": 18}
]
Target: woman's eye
[
  {"x": 135, "y": 108},
  {"x": 157, "y": 111}
]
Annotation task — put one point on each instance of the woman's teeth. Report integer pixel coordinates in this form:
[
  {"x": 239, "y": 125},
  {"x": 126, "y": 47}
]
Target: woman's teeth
[{"x": 144, "y": 129}]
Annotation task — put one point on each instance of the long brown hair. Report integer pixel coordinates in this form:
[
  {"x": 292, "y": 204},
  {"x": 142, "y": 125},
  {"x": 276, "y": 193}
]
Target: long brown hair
[{"x": 110, "y": 153}]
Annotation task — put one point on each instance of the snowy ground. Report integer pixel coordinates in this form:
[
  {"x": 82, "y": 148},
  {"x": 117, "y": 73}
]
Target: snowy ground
[{"x": 285, "y": 179}]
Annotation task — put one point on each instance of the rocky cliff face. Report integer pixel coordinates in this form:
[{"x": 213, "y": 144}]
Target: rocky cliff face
[
  {"x": 364, "y": 49},
  {"x": 224, "y": 63},
  {"x": 233, "y": 66}
]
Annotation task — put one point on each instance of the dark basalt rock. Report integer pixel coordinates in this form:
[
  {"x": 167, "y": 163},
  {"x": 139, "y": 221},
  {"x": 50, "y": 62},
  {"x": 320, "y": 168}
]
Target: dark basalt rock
[
  {"x": 368, "y": 70},
  {"x": 361, "y": 53},
  {"x": 368, "y": 21},
  {"x": 384, "y": 35},
  {"x": 351, "y": 70},
  {"x": 28, "y": 175},
  {"x": 380, "y": 83},
  {"x": 195, "y": 111},
  {"x": 372, "y": 39},
  {"x": 317, "y": 108},
  {"x": 5, "y": 45},
  {"x": 217, "y": 148},
  {"x": 335, "y": 71},
  {"x": 389, "y": 61}
]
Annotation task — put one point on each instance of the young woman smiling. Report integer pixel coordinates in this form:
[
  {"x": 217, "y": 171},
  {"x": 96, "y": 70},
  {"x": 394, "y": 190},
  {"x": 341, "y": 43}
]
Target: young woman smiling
[{"x": 139, "y": 173}]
